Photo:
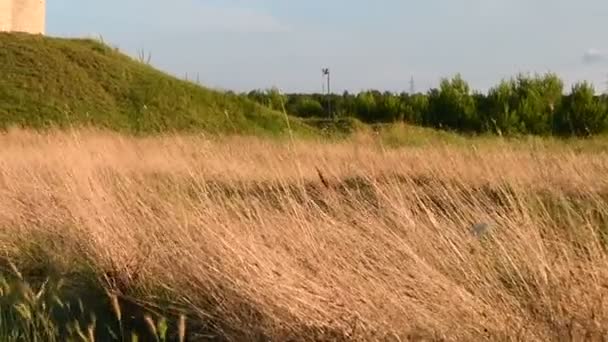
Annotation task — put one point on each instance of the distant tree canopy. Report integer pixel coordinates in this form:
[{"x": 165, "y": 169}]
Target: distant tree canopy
[{"x": 521, "y": 105}]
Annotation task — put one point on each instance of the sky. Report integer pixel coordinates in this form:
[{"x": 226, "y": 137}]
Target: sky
[{"x": 255, "y": 44}]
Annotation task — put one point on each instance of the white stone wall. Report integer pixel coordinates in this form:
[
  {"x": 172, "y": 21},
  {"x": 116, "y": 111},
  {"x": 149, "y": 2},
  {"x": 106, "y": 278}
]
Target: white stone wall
[
  {"x": 23, "y": 15},
  {"x": 6, "y": 15}
]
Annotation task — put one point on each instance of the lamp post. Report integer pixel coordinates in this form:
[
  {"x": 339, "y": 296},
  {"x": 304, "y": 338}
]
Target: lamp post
[
  {"x": 412, "y": 86},
  {"x": 327, "y": 73}
]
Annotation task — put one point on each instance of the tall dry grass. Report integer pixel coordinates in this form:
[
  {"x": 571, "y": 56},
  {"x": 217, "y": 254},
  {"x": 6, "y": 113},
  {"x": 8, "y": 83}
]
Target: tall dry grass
[{"x": 312, "y": 241}]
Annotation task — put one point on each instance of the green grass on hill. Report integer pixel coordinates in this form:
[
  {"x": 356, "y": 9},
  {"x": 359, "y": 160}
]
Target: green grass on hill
[{"x": 74, "y": 82}]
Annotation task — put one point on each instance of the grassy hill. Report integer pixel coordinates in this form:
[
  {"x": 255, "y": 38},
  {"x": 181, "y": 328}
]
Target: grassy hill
[{"x": 60, "y": 82}]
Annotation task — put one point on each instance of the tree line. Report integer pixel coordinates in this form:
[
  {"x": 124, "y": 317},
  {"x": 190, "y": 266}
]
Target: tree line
[{"x": 525, "y": 104}]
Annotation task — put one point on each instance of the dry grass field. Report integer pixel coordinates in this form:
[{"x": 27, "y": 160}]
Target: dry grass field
[{"x": 258, "y": 240}]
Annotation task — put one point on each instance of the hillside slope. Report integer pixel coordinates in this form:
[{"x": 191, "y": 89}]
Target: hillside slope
[{"x": 58, "y": 82}]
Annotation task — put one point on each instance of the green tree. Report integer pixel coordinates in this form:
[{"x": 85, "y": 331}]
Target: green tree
[
  {"x": 389, "y": 107},
  {"x": 538, "y": 100},
  {"x": 366, "y": 107},
  {"x": 582, "y": 112},
  {"x": 414, "y": 107},
  {"x": 453, "y": 106},
  {"x": 502, "y": 103}
]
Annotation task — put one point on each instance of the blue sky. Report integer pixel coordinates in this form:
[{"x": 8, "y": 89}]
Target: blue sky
[{"x": 247, "y": 44}]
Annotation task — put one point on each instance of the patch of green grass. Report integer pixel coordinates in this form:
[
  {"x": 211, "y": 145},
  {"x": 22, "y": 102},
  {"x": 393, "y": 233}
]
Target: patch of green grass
[
  {"x": 340, "y": 127},
  {"x": 54, "y": 82},
  {"x": 401, "y": 135}
]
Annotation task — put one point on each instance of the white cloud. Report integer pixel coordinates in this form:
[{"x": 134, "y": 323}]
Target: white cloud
[{"x": 594, "y": 56}]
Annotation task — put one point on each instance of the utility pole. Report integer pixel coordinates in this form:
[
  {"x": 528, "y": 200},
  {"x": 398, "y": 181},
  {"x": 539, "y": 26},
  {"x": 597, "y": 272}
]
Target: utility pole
[{"x": 327, "y": 73}]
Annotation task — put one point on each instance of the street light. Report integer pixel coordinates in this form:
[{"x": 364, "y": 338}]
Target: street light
[{"x": 327, "y": 73}]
